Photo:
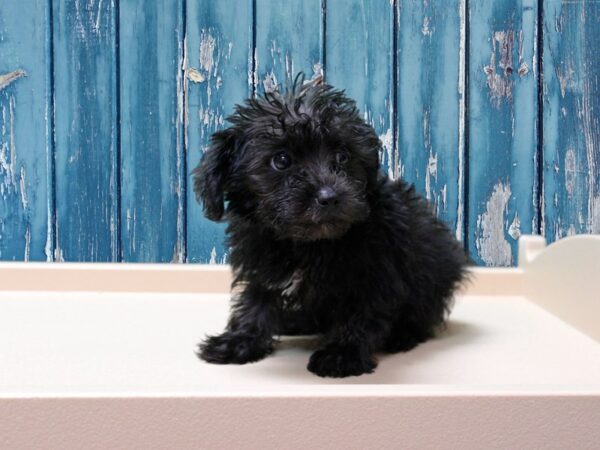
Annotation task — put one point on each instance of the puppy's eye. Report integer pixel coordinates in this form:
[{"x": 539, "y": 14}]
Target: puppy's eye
[
  {"x": 281, "y": 161},
  {"x": 341, "y": 157}
]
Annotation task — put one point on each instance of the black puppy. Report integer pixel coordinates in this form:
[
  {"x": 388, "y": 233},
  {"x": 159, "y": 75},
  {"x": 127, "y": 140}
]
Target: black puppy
[{"x": 320, "y": 241}]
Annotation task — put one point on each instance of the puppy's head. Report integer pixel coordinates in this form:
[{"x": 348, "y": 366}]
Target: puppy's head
[{"x": 300, "y": 164}]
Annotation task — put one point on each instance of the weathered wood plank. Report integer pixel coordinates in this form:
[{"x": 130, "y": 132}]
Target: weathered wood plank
[
  {"x": 359, "y": 48},
  {"x": 219, "y": 75},
  {"x": 151, "y": 55},
  {"x": 288, "y": 40},
  {"x": 502, "y": 175},
  {"x": 431, "y": 103},
  {"x": 25, "y": 132},
  {"x": 571, "y": 118},
  {"x": 87, "y": 181}
]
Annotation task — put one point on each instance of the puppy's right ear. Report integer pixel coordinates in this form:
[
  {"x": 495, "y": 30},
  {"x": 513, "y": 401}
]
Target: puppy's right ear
[{"x": 210, "y": 176}]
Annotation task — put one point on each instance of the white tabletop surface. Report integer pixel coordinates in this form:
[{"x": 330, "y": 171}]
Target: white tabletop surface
[{"x": 143, "y": 344}]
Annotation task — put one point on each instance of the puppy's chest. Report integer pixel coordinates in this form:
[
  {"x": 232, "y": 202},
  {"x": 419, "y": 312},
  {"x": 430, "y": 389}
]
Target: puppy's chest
[
  {"x": 303, "y": 284},
  {"x": 291, "y": 286},
  {"x": 307, "y": 276}
]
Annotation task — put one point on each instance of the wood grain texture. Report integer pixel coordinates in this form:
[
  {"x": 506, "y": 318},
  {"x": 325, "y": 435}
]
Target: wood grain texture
[
  {"x": 571, "y": 105},
  {"x": 359, "y": 49},
  {"x": 151, "y": 55},
  {"x": 288, "y": 41},
  {"x": 218, "y": 75},
  {"x": 25, "y": 132},
  {"x": 502, "y": 128},
  {"x": 87, "y": 181},
  {"x": 431, "y": 103}
]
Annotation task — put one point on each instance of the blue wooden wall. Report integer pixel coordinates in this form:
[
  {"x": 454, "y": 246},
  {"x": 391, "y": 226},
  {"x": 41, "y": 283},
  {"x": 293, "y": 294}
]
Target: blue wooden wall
[{"x": 492, "y": 108}]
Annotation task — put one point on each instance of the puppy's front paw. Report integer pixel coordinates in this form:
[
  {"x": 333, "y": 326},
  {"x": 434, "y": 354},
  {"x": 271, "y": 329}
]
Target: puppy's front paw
[
  {"x": 338, "y": 361},
  {"x": 229, "y": 348}
]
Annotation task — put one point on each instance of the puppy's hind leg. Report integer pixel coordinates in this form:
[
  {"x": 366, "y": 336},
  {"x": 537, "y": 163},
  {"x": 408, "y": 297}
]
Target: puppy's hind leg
[
  {"x": 405, "y": 336},
  {"x": 249, "y": 333},
  {"x": 411, "y": 329}
]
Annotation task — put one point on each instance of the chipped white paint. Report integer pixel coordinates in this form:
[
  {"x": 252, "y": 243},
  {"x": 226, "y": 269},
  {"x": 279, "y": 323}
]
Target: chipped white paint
[
  {"x": 98, "y": 14},
  {"x": 23, "y": 190},
  {"x": 570, "y": 171},
  {"x": 523, "y": 66},
  {"x": 523, "y": 69},
  {"x": 430, "y": 171},
  {"x": 207, "y": 50},
  {"x": 178, "y": 252},
  {"x": 8, "y": 151},
  {"x": 253, "y": 75},
  {"x": 49, "y": 231},
  {"x": 213, "y": 256},
  {"x": 535, "y": 49},
  {"x": 194, "y": 75},
  {"x": 270, "y": 82},
  {"x": 59, "y": 255},
  {"x": 425, "y": 28},
  {"x": 387, "y": 140},
  {"x": 8, "y": 78},
  {"x": 444, "y": 195},
  {"x": 595, "y": 215},
  {"x": 182, "y": 146},
  {"x": 461, "y": 119},
  {"x": 318, "y": 71},
  {"x": 491, "y": 243},
  {"x": 131, "y": 222},
  {"x": 500, "y": 84},
  {"x": 208, "y": 62},
  {"x": 565, "y": 78},
  {"x": 27, "y": 250},
  {"x": 515, "y": 227}
]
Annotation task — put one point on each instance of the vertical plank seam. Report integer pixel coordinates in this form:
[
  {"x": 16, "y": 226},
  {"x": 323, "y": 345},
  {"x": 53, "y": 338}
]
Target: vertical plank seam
[
  {"x": 182, "y": 198},
  {"x": 466, "y": 148},
  {"x": 52, "y": 236},
  {"x": 395, "y": 149},
  {"x": 117, "y": 255},
  {"x": 540, "y": 119},
  {"x": 324, "y": 38},
  {"x": 253, "y": 56}
]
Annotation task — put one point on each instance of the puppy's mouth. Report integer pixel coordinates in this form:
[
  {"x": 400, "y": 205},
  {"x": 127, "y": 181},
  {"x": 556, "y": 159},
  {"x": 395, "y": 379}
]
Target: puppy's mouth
[
  {"x": 322, "y": 226},
  {"x": 314, "y": 231}
]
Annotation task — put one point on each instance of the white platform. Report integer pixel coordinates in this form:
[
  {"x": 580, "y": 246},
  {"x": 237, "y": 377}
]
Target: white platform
[{"x": 85, "y": 364}]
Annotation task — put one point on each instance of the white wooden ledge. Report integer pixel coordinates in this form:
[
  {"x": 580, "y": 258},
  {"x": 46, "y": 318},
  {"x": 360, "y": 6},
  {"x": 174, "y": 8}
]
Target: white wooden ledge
[{"x": 102, "y": 356}]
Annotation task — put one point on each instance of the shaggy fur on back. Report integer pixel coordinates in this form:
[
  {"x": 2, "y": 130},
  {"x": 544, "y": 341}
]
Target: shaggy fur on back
[{"x": 321, "y": 242}]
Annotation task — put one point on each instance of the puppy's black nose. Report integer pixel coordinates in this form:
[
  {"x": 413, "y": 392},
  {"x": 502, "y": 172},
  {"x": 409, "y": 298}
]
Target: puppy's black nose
[{"x": 327, "y": 197}]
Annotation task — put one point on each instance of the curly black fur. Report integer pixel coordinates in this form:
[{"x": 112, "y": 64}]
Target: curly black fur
[{"x": 327, "y": 245}]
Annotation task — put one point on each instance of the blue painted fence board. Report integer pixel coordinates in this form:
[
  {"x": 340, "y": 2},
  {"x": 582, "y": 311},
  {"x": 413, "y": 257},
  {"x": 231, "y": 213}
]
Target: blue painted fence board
[
  {"x": 85, "y": 93},
  {"x": 571, "y": 118},
  {"x": 502, "y": 128},
  {"x": 219, "y": 75},
  {"x": 431, "y": 103},
  {"x": 151, "y": 91},
  {"x": 106, "y": 107},
  {"x": 25, "y": 132},
  {"x": 288, "y": 40},
  {"x": 361, "y": 62}
]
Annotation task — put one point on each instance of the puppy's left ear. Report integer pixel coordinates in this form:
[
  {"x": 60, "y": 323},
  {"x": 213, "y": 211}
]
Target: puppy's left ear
[{"x": 210, "y": 176}]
